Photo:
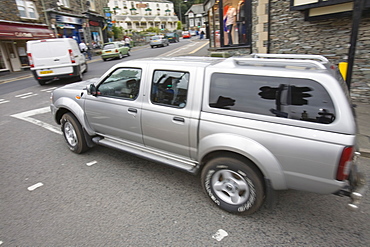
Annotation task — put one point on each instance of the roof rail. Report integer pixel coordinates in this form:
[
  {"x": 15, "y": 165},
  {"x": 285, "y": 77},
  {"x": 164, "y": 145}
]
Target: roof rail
[
  {"x": 291, "y": 56},
  {"x": 279, "y": 63}
]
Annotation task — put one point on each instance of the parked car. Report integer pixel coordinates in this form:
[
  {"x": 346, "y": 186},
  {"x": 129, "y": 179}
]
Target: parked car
[
  {"x": 186, "y": 35},
  {"x": 172, "y": 37},
  {"x": 248, "y": 125},
  {"x": 114, "y": 50},
  {"x": 157, "y": 41},
  {"x": 54, "y": 59}
]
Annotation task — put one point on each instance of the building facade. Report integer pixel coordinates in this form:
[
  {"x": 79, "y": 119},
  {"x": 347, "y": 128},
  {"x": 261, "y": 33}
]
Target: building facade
[
  {"x": 26, "y": 20},
  {"x": 141, "y": 15},
  {"x": 195, "y": 17},
  {"x": 293, "y": 26}
]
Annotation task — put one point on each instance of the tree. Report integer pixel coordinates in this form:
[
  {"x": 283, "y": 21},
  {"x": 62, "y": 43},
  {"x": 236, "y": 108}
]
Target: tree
[{"x": 117, "y": 33}]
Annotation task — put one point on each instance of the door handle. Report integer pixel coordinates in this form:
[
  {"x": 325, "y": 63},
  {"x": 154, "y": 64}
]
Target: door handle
[
  {"x": 133, "y": 110},
  {"x": 179, "y": 119}
]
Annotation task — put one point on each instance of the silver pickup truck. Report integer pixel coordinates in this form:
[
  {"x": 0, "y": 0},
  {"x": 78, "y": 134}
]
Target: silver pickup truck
[{"x": 250, "y": 125}]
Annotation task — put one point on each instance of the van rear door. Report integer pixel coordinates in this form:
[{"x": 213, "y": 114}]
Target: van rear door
[{"x": 51, "y": 57}]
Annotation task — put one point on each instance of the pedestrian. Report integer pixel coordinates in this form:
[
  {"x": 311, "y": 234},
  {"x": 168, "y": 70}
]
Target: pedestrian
[
  {"x": 85, "y": 50},
  {"x": 127, "y": 42},
  {"x": 201, "y": 35}
]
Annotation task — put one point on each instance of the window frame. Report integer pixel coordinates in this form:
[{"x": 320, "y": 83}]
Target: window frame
[{"x": 27, "y": 6}]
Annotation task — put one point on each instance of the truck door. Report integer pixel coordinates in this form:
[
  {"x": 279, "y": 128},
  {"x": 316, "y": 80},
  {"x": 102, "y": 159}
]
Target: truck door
[
  {"x": 115, "y": 111},
  {"x": 166, "y": 112}
]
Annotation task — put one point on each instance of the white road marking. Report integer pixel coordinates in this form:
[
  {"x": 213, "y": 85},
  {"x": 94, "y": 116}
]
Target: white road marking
[
  {"x": 220, "y": 234},
  {"x": 26, "y": 95},
  {"x": 35, "y": 186},
  {"x": 26, "y": 116},
  {"x": 49, "y": 90},
  {"x": 2, "y": 101},
  {"x": 91, "y": 163}
]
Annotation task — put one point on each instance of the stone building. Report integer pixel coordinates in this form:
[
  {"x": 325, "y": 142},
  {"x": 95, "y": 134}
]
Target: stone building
[
  {"x": 26, "y": 20},
  {"x": 141, "y": 15},
  {"x": 293, "y": 26}
]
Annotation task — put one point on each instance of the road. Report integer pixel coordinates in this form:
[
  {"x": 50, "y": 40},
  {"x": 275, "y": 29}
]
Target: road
[{"x": 50, "y": 196}]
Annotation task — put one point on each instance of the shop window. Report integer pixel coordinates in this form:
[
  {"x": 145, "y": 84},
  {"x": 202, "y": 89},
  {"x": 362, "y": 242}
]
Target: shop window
[
  {"x": 230, "y": 23},
  {"x": 27, "y": 9}
]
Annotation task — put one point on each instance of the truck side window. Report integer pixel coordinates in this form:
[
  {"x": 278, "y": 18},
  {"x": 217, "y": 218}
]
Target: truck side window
[
  {"x": 122, "y": 83},
  {"x": 169, "y": 88},
  {"x": 300, "y": 99}
]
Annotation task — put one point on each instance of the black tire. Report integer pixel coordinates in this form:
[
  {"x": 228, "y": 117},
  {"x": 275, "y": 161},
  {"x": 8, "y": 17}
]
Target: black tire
[
  {"x": 73, "y": 133},
  {"x": 87, "y": 68},
  {"x": 152, "y": 46},
  {"x": 104, "y": 59},
  {"x": 234, "y": 184},
  {"x": 120, "y": 56},
  {"x": 128, "y": 53},
  {"x": 79, "y": 77},
  {"x": 41, "y": 82}
]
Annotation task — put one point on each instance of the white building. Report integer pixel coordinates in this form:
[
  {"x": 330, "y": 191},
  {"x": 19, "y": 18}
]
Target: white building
[{"x": 141, "y": 15}]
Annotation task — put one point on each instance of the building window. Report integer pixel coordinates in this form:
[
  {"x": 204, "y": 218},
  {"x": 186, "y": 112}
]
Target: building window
[
  {"x": 64, "y": 3},
  {"x": 27, "y": 9},
  {"x": 92, "y": 5},
  {"x": 230, "y": 23}
]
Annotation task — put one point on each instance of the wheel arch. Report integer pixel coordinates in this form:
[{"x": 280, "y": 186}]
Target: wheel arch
[
  {"x": 245, "y": 148},
  {"x": 65, "y": 105}
]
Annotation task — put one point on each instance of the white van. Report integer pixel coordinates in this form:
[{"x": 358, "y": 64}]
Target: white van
[{"x": 53, "y": 59}]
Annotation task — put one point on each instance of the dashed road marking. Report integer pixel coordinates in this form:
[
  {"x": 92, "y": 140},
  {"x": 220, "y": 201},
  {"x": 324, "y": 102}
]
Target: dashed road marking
[
  {"x": 49, "y": 90},
  {"x": 26, "y": 95},
  {"x": 26, "y": 116},
  {"x": 3, "y": 101},
  {"x": 35, "y": 186},
  {"x": 91, "y": 163}
]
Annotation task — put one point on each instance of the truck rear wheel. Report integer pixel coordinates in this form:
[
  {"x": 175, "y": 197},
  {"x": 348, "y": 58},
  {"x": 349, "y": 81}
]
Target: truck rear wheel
[
  {"x": 234, "y": 184},
  {"x": 73, "y": 133},
  {"x": 41, "y": 82}
]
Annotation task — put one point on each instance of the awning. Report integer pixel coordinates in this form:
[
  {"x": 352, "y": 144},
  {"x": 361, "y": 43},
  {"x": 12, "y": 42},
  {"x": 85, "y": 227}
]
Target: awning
[{"x": 14, "y": 31}]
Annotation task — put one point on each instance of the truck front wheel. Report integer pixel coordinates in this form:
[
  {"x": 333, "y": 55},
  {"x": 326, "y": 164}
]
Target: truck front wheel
[
  {"x": 234, "y": 184},
  {"x": 72, "y": 132}
]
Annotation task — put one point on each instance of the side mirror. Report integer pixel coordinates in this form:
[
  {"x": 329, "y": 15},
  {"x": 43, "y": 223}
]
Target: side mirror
[{"x": 92, "y": 90}]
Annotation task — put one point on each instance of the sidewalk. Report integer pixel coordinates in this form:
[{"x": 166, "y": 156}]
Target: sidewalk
[{"x": 362, "y": 109}]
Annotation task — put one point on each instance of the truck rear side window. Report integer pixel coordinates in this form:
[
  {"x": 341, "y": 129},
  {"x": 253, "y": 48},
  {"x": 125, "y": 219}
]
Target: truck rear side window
[
  {"x": 300, "y": 99},
  {"x": 170, "y": 88}
]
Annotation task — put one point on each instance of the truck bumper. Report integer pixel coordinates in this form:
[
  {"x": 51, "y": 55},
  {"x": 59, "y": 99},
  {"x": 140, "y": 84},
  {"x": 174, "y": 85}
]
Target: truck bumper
[{"x": 356, "y": 187}]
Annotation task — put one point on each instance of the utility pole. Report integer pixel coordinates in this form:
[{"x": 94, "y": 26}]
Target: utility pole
[{"x": 356, "y": 19}]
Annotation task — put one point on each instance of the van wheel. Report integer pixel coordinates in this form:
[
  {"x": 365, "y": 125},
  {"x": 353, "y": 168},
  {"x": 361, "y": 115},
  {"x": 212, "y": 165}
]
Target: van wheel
[
  {"x": 86, "y": 68},
  {"x": 41, "y": 82},
  {"x": 73, "y": 134},
  {"x": 234, "y": 184},
  {"x": 80, "y": 77}
]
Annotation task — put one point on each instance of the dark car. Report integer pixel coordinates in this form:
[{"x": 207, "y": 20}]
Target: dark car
[{"x": 173, "y": 37}]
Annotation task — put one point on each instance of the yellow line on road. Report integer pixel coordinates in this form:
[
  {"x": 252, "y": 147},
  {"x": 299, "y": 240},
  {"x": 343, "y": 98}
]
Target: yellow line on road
[{"x": 200, "y": 47}]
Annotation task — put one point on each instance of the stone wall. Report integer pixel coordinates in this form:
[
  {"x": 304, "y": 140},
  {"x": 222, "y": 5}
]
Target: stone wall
[{"x": 290, "y": 33}]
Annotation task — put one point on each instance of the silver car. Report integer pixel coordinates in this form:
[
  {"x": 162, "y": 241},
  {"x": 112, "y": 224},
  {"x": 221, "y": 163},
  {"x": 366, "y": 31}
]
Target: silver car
[
  {"x": 249, "y": 126},
  {"x": 157, "y": 41}
]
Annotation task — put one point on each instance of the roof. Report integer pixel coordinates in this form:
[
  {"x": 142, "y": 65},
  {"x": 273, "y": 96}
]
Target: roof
[{"x": 196, "y": 9}]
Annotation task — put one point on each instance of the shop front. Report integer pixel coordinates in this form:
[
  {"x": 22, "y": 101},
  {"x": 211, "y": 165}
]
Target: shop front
[
  {"x": 68, "y": 25},
  {"x": 229, "y": 24},
  {"x": 13, "y": 38}
]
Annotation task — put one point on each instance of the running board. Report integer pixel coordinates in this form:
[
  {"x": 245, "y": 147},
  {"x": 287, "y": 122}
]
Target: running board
[{"x": 186, "y": 165}]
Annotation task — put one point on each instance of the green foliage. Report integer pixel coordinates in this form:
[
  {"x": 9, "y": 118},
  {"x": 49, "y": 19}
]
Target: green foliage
[
  {"x": 117, "y": 33},
  {"x": 179, "y": 25},
  {"x": 156, "y": 30}
]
